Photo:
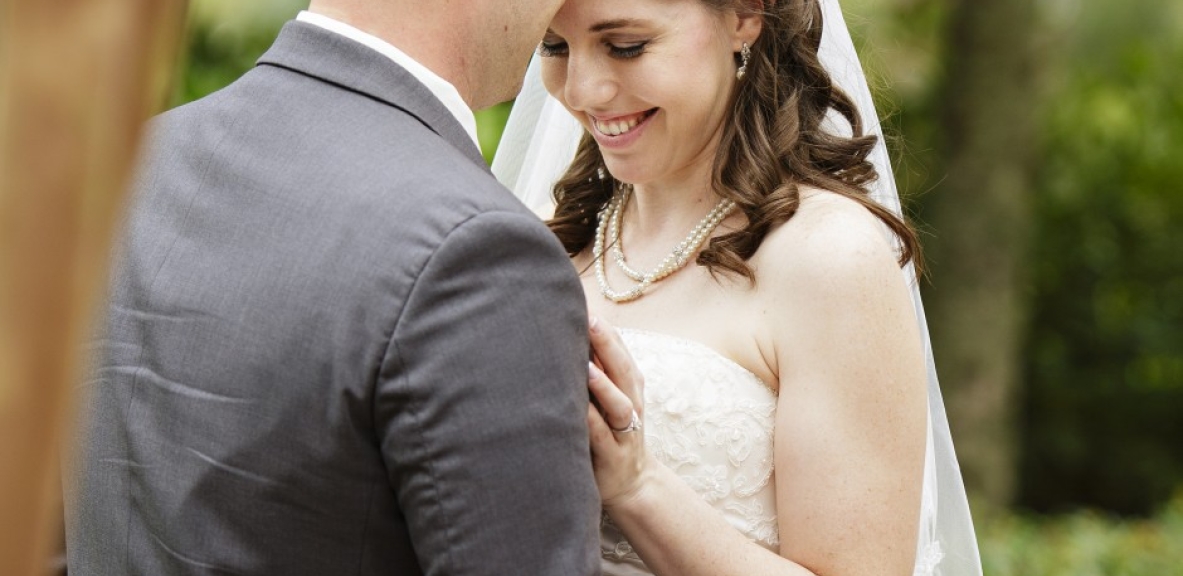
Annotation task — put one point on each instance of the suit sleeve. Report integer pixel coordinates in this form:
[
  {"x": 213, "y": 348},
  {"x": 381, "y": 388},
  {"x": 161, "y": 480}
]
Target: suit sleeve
[{"x": 481, "y": 406}]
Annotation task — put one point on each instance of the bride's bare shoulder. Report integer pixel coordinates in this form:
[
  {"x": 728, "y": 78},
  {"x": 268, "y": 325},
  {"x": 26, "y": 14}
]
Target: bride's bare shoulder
[{"x": 830, "y": 236}]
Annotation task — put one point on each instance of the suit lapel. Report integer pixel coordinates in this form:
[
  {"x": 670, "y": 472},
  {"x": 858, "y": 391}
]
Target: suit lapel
[{"x": 314, "y": 51}]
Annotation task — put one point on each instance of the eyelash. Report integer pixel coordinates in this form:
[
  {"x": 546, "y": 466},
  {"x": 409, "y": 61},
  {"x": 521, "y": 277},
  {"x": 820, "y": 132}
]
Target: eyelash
[
  {"x": 559, "y": 49},
  {"x": 628, "y": 52},
  {"x": 551, "y": 50}
]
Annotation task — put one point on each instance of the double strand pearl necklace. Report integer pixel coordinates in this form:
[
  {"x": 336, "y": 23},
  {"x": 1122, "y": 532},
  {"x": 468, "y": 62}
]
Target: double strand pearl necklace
[{"x": 608, "y": 235}]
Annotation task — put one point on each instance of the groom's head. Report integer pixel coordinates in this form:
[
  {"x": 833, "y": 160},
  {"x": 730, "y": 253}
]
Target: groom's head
[{"x": 480, "y": 46}]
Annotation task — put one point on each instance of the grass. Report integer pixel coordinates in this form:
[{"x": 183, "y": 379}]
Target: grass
[{"x": 1084, "y": 544}]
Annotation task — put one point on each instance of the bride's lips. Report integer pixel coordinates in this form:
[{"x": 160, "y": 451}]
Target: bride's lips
[{"x": 620, "y": 131}]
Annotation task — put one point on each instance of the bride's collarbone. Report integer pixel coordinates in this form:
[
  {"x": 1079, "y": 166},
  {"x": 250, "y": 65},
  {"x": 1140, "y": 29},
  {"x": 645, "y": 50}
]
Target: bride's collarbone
[{"x": 723, "y": 318}]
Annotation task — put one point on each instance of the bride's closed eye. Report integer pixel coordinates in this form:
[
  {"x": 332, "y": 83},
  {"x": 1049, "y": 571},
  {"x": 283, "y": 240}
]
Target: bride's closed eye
[
  {"x": 629, "y": 51},
  {"x": 559, "y": 49},
  {"x": 552, "y": 49}
]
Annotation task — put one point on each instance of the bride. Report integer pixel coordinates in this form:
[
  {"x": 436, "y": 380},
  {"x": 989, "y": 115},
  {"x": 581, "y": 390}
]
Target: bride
[{"x": 769, "y": 404}]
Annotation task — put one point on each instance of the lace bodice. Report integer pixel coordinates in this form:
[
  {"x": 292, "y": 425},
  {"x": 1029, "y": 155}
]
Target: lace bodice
[{"x": 711, "y": 421}]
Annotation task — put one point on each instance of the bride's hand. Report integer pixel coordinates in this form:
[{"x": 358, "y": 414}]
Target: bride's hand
[{"x": 617, "y": 441}]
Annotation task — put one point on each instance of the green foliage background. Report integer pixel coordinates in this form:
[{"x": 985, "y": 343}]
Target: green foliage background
[
  {"x": 1102, "y": 425},
  {"x": 225, "y": 38},
  {"x": 1105, "y": 369}
]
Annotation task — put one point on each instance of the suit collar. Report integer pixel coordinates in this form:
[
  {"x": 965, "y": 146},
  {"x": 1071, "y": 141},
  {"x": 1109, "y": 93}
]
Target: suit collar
[{"x": 319, "y": 53}]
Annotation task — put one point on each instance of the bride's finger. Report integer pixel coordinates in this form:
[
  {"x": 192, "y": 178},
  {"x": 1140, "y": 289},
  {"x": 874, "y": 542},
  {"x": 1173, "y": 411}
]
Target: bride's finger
[
  {"x": 617, "y": 406},
  {"x": 617, "y": 363},
  {"x": 598, "y": 430}
]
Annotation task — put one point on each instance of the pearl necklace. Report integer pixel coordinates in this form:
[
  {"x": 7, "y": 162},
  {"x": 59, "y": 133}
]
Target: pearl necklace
[{"x": 608, "y": 235}]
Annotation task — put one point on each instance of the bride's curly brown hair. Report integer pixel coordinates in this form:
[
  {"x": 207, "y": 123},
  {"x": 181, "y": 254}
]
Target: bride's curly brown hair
[{"x": 773, "y": 142}]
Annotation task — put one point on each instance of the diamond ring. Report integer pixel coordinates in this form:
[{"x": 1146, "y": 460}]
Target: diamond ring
[{"x": 633, "y": 425}]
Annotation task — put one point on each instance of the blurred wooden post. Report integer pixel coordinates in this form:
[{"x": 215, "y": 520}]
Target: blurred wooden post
[{"x": 77, "y": 80}]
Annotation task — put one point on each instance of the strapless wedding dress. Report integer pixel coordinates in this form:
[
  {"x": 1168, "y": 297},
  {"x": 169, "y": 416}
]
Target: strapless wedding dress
[{"x": 710, "y": 421}]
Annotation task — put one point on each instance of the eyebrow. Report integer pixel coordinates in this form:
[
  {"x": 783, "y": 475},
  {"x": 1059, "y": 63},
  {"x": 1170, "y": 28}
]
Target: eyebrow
[
  {"x": 610, "y": 25},
  {"x": 614, "y": 24}
]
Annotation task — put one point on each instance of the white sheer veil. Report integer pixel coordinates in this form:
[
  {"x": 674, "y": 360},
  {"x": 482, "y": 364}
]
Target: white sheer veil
[{"x": 539, "y": 143}]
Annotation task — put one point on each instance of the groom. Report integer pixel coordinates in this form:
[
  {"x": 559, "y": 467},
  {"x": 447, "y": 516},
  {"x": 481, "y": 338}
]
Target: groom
[{"x": 334, "y": 344}]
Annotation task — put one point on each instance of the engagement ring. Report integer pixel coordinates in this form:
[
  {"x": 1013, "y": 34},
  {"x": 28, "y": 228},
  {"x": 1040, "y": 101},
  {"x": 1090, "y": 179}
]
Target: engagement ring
[{"x": 633, "y": 425}]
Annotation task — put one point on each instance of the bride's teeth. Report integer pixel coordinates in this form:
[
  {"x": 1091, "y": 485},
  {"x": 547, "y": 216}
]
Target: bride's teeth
[{"x": 619, "y": 127}]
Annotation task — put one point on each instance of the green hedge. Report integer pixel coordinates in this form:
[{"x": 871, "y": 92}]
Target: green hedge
[{"x": 1084, "y": 544}]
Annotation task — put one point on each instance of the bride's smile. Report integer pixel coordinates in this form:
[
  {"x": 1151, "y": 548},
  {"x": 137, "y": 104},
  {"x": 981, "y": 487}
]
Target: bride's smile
[{"x": 620, "y": 131}]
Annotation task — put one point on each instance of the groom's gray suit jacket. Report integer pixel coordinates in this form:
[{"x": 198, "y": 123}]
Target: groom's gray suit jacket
[{"x": 335, "y": 345}]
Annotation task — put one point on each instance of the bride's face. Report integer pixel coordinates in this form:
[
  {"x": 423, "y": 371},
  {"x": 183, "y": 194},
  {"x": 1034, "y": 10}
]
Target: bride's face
[{"x": 651, "y": 80}]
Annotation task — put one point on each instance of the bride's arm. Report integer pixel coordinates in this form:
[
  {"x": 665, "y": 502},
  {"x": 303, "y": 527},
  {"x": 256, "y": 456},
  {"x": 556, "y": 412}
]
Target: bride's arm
[
  {"x": 850, "y": 420},
  {"x": 852, "y": 412}
]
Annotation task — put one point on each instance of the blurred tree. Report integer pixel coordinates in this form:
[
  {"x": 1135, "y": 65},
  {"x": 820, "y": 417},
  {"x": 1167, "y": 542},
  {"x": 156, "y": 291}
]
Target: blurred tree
[
  {"x": 1101, "y": 367},
  {"x": 981, "y": 213}
]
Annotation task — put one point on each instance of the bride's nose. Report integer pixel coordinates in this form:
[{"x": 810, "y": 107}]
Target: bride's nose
[{"x": 590, "y": 83}]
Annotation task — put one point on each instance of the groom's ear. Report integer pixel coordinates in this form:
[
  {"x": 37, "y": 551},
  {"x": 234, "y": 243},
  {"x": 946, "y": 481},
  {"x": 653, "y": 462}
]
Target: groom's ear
[{"x": 749, "y": 22}]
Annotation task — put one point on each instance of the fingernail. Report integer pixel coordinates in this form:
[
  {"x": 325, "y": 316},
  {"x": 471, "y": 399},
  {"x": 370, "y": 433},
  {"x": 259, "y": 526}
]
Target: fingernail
[
  {"x": 593, "y": 371},
  {"x": 593, "y": 324}
]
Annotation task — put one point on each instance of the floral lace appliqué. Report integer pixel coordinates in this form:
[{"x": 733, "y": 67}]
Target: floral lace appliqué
[
  {"x": 928, "y": 558},
  {"x": 711, "y": 422}
]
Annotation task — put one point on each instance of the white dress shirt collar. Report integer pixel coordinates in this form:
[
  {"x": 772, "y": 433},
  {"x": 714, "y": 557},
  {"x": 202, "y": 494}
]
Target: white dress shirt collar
[{"x": 444, "y": 91}]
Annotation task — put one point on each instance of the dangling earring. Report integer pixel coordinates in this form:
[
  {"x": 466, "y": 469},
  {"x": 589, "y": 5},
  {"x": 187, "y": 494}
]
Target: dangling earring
[{"x": 745, "y": 55}]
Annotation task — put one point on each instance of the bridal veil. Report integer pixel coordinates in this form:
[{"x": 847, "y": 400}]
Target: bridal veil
[{"x": 539, "y": 143}]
